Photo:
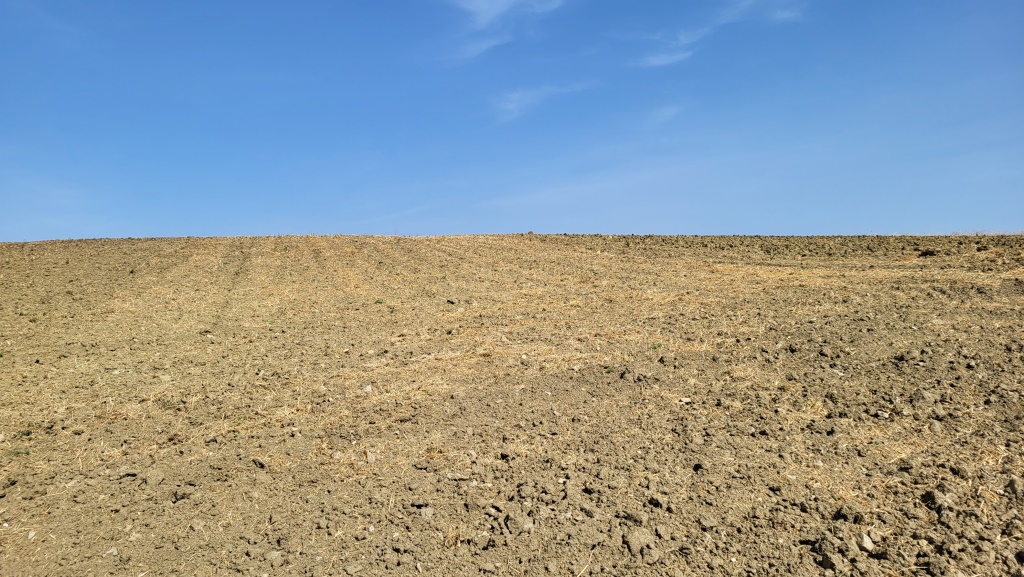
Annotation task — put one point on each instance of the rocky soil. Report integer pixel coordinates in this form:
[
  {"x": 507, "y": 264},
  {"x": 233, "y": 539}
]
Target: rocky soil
[{"x": 513, "y": 405}]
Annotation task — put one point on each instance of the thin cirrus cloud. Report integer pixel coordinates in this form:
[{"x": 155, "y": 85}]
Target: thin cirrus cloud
[
  {"x": 475, "y": 48},
  {"x": 664, "y": 114},
  {"x": 678, "y": 47},
  {"x": 487, "y": 12},
  {"x": 787, "y": 14},
  {"x": 489, "y": 22},
  {"x": 514, "y": 104},
  {"x": 664, "y": 58}
]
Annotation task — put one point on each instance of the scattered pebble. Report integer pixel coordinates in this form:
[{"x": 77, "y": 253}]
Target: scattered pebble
[
  {"x": 275, "y": 558},
  {"x": 864, "y": 543}
]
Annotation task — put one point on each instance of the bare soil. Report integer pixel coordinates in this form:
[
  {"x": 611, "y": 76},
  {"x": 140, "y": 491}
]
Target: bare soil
[{"x": 513, "y": 405}]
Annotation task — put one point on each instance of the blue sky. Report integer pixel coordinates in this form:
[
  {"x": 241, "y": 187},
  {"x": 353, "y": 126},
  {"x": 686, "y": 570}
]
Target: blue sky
[{"x": 423, "y": 117}]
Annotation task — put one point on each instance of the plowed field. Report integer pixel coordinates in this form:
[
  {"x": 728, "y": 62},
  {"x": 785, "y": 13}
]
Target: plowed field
[{"x": 513, "y": 405}]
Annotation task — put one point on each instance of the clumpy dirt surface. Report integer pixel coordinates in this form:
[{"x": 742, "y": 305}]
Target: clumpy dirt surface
[{"x": 513, "y": 405}]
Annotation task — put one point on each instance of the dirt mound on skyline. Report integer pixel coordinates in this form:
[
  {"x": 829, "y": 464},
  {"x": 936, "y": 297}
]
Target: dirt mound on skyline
[{"x": 513, "y": 405}]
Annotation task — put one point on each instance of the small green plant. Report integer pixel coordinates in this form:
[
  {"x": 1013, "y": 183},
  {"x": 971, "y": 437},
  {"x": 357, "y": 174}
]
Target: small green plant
[
  {"x": 18, "y": 452},
  {"x": 655, "y": 346},
  {"x": 449, "y": 331},
  {"x": 378, "y": 302},
  {"x": 22, "y": 434},
  {"x": 627, "y": 244}
]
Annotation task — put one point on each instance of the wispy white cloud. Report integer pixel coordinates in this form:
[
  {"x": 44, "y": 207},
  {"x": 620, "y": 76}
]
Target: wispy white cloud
[
  {"x": 511, "y": 105},
  {"x": 688, "y": 37},
  {"x": 476, "y": 47},
  {"x": 775, "y": 10},
  {"x": 664, "y": 58},
  {"x": 736, "y": 10},
  {"x": 664, "y": 114},
  {"x": 487, "y": 12},
  {"x": 494, "y": 21},
  {"x": 787, "y": 14},
  {"x": 678, "y": 47}
]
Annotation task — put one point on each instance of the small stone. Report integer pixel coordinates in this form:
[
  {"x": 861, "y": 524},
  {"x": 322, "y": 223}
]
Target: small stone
[
  {"x": 353, "y": 568},
  {"x": 482, "y": 540},
  {"x": 488, "y": 568},
  {"x": 938, "y": 501},
  {"x": 864, "y": 543},
  {"x": 707, "y": 522},
  {"x": 112, "y": 552},
  {"x": 518, "y": 523},
  {"x": 275, "y": 558},
  {"x": 922, "y": 398}
]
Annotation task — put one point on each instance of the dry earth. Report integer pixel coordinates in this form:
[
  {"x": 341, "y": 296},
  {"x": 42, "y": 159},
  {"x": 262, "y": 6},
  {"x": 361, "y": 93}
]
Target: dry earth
[{"x": 513, "y": 405}]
